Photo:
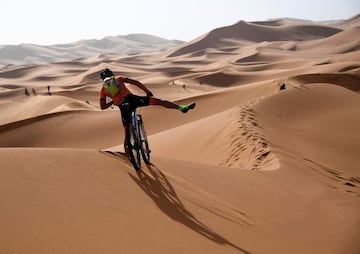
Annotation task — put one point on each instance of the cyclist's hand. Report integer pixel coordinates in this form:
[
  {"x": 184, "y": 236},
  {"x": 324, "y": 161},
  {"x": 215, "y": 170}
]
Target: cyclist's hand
[{"x": 149, "y": 94}]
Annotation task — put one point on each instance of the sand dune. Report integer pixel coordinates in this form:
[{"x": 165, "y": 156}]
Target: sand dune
[
  {"x": 120, "y": 45},
  {"x": 40, "y": 105},
  {"x": 253, "y": 169},
  {"x": 244, "y": 32},
  {"x": 320, "y": 118}
]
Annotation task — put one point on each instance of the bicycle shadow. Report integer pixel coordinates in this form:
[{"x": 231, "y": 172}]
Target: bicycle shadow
[{"x": 160, "y": 190}]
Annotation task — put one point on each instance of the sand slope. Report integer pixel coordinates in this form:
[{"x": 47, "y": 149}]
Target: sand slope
[{"x": 253, "y": 169}]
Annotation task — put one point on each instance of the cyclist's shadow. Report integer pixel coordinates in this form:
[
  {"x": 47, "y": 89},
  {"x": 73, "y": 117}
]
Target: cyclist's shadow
[{"x": 160, "y": 190}]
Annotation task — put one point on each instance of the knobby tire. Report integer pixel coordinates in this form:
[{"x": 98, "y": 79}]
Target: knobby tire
[
  {"x": 145, "y": 151},
  {"x": 134, "y": 143}
]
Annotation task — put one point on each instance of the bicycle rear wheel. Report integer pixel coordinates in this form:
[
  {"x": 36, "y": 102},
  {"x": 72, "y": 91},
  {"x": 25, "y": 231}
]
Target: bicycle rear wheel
[
  {"x": 145, "y": 150},
  {"x": 134, "y": 143}
]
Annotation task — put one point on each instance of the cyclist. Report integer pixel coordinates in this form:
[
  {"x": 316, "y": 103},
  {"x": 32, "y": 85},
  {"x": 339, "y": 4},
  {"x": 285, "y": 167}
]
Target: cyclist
[{"x": 114, "y": 88}]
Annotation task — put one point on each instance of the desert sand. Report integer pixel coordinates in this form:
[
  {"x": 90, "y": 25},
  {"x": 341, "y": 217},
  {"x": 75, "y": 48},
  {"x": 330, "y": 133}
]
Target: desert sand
[{"x": 252, "y": 169}]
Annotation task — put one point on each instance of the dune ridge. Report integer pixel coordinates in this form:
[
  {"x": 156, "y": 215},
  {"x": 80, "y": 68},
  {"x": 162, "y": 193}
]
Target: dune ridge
[{"x": 119, "y": 45}]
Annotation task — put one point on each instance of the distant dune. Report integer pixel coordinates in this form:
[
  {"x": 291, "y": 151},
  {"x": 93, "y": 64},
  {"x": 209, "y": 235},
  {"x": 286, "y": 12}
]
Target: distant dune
[
  {"x": 258, "y": 32},
  {"x": 267, "y": 162},
  {"x": 120, "y": 45}
]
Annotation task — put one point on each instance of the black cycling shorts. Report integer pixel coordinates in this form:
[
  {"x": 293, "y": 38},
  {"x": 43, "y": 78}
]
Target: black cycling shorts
[{"x": 130, "y": 103}]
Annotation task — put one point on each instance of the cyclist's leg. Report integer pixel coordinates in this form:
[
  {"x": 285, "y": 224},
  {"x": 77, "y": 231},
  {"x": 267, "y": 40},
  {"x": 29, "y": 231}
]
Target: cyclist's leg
[
  {"x": 125, "y": 117},
  {"x": 164, "y": 103},
  {"x": 141, "y": 101},
  {"x": 126, "y": 148},
  {"x": 169, "y": 104}
]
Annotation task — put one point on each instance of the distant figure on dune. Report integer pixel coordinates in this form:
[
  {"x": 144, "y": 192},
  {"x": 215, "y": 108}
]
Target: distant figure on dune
[
  {"x": 282, "y": 87},
  {"x": 114, "y": 88},
  {"x": 49, "y": 93},
  {"x": 34, "y": 92},
  {"x": 27, "y": 94}
]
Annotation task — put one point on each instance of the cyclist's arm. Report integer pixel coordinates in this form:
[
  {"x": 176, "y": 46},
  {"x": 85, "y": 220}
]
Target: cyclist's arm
[
  {"x": 138, "y": 84},
  {"x": 104, "y": 105}
]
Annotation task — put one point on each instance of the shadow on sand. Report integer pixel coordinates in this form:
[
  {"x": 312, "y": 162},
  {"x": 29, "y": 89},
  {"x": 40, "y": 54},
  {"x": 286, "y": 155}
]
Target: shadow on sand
[{"x": 160, "y": 190}]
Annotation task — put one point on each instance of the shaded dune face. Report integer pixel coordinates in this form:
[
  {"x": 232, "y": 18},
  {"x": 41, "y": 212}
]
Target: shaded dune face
[{"x": 267, "y": 162}]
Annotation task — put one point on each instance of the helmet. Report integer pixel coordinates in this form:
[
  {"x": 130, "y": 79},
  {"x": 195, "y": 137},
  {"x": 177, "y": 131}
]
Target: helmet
[{"x": 105, "y": 73}]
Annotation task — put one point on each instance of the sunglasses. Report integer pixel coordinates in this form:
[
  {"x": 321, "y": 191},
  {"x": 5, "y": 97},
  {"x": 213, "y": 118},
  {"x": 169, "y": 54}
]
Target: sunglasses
[{"x": 107, "y": 79}]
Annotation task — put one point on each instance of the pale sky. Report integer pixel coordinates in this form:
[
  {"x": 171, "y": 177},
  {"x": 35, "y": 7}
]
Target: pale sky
[{"x": 48, "y": 22}]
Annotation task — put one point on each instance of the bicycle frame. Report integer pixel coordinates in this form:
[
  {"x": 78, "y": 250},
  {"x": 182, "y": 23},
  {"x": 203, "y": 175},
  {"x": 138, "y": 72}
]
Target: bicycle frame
[{"x": 136, "y": 139}]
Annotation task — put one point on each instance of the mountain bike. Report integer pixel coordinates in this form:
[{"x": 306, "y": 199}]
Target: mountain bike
[{"x": 136, "y": 139}]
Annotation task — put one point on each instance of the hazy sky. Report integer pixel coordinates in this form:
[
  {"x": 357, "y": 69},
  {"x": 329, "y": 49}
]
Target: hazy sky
[{"x": 62, "y": 21}]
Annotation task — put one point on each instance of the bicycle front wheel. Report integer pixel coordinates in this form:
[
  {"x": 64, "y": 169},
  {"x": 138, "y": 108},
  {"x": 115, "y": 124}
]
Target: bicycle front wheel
[
  {"x": 145, "y": 150},
  {"x": 134, "y": 144}
]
